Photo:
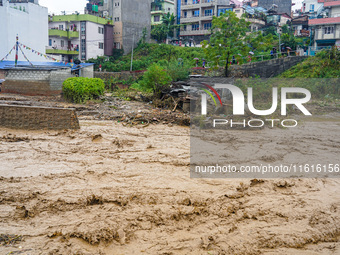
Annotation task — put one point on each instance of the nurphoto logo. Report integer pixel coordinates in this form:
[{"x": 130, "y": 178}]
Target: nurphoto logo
[{"x": 239, "y": 105}]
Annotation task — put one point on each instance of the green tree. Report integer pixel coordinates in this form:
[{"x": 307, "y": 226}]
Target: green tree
[
  {"x": 166, "y": 29},
  {"x": 227, "y": 39},
  {"x": 159, "y": 32},
  {"x": 142, "y": 40}
]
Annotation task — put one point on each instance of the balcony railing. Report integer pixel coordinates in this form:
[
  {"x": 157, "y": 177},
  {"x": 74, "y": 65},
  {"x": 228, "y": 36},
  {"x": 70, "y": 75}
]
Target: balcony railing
[
  {"x": 63, "y": 33},
  {"x": 62, "y": 50}
]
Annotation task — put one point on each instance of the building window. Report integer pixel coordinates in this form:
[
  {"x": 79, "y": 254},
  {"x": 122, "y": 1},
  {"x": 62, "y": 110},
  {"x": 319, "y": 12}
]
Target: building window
[
  {"x": 49, "y": 42},
  {"x": 224, "y": 10},
  {"x": 311, "y": 8},
  {"x": 156, "y": 18},
  {"x": 185, "y": 14},
  {"x": 208, "y": 12},
  {"x": 195, "y": 1},
  {"x": 83, "y": 44},
  {"x": 100, "y": 30},
  {"x": 61, "y": 27},
  {"x": 83, "y": 40},
  {"x": 101, "y": 45},
  {"x": 329, "y": 30},
  {"x": 196, "y": 13},
  {"x": 116, "y": 4},
  {"x": 207, "y": 26},
  {"x": 195, "y": 27},
  {"x": 116, "y": 45},
  {"x": 62, "y": 43},
  {"x": 83, "y": 28},
  {"x": 116, "y": 18},
  {"x": 185, "y": 28}
]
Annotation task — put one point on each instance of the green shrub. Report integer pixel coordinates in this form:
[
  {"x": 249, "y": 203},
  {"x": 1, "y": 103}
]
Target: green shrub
[
  {"x": 155, "y": 79},
  {"x": 177, "y": 71},
  {"x": 80, "y": 89}
]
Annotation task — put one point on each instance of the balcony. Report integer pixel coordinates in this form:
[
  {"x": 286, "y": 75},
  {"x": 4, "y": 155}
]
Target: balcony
[
  {"x": 61, "y": 51},
  {"x": 191, "y": 19},
  {"x": 56, "y": 32},
  {"x": 73, "y": 34},
  {"x": 157, "y": 12},
  {"x": 195, "y": 32},
  {"x": 62, "y": 33}
]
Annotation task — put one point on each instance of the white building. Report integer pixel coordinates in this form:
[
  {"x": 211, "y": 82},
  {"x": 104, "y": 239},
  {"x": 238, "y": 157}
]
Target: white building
[
  {"x": 29, "y": 21},
  {"x": 79, "y": 36},
  {"x": 312, "y": 7}
]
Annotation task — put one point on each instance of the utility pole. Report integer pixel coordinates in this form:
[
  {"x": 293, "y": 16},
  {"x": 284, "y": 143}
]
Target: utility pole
[
  {"x": 280, "y": 43},
  {"x": 133, "y": 44},
  {"x": 16, "y": 51},
  {"x": 279, "y": 32}
]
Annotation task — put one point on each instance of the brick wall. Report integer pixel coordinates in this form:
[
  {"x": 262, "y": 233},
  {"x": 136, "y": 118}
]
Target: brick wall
[
  {"x": 35, "y": 81},
  {"x": 37, "y": 118},
  {"x": 57, "y": 77},
  {"x": 2, "y": 74},
  {"x": 28, "y": 87}
]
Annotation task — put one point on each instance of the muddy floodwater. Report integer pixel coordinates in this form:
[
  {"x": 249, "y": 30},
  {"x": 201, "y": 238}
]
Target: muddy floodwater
[{"x": 114, "y": 189}]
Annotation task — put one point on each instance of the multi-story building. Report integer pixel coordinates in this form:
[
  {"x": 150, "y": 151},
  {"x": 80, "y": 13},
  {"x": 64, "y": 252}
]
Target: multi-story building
[
  {"x": 28, "y": 20},
  {"x": 311, "y": 8},
  {"x": 159, "y": 8},
  {"x": 130, "y": 17},
  {"x": 79, "y": 36},
  {"x": 196, "y": 17},
  {"x": 283, "y": 6},
  {"x": 300, "y": 26},
  {"x": 278, "y": 19},
  {"x": 327, "y": 29}
]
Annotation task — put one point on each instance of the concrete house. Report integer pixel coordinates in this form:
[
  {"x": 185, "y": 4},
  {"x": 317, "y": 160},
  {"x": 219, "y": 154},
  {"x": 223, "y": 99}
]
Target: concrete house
[
  {"x": 80, "y": 37},
  {"x": 327, "y": 29},
  {"x": 130, "y": 17}
]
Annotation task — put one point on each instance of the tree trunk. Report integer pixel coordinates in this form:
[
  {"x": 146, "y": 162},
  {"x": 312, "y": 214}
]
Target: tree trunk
[{"x": 227, "y": 66}]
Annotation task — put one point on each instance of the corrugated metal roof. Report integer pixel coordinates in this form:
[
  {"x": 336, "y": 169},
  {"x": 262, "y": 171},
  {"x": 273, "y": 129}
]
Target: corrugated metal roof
[
  {"x": 324, "y": 21},
  {"x": 332, "y": 3},
  {"x": 42, "y": 65}
]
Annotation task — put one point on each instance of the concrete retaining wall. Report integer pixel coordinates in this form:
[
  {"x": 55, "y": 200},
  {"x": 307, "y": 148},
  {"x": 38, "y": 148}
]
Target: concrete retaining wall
[
  {"x": 37, "y": 118},
  {"x": 264, "y": 69},
  {"x": 118, "y": 75}
]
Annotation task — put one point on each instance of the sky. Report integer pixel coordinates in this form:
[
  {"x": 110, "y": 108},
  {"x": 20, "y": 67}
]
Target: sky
[{"x": 71, "y": 6}]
